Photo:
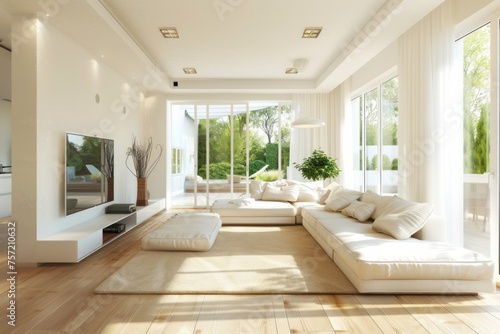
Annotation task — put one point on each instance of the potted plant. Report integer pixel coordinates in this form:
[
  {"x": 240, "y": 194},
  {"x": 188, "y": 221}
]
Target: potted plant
[
  {"x": 141, "y": 156},
  {"x": 318, "y": 166}
]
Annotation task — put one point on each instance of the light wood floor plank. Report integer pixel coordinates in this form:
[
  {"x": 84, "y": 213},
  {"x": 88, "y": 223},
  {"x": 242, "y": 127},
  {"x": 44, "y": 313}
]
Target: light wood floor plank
[
  {"x": 433, "y": 316},
  {"x": 178, "y": 314},
  {"x": 347, "y": 315},
  {"x": 469, "y": 313},
  {"x": 387, "y": 313},
  {"x": 236, "y": 314},
  {"x": 306, "y": 315}
]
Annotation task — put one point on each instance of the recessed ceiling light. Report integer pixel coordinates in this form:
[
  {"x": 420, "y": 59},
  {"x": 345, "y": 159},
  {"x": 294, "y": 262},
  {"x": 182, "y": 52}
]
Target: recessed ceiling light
[
  {"x": 169, "y": 32},
  {"x": 311, "y": 32},
  {"x": 189, "y": 70},
  {"x": 291, "y": 70}
]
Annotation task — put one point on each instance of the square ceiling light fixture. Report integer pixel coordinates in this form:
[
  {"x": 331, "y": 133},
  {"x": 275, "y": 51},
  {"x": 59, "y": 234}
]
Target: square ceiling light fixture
[
  {"x": 169, "y": 32},
  {"x": 311, "y": 32},
  {"x": 189, "y": 70}
]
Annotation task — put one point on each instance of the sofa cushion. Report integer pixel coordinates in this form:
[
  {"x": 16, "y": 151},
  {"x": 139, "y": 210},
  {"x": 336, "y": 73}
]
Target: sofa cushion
[
  {"x": 257, "y": 189},
  {"x": 359, "y": 210},
  {"x": 402, "y": 218},
  {"x": 283, "y": 193},
  {"x": 341, "y": 198},
  {"x": 225, "y": 208},
  {"x": 379, "y": 201},
  {"x": 375, "y": 258}
]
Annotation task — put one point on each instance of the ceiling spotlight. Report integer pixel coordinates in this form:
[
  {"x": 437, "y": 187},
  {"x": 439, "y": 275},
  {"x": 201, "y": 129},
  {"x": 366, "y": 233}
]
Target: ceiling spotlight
[
  {"x": 189, "y": 70},
  {"x": 169, "y": 32},
  {"x": 311, "y": 32},
  {"x": 300, "y": 64}
]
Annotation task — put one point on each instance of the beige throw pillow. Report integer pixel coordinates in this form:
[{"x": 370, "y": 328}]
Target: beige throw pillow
[
  {"x": 341, "y": 199},
  {"x": 359, "y": 210},
  {"x": 257, "y": 189},
  {"x": 379, "y": 201},
  {"x": 283, "y": 193},
  {"x": 402, "y": 218}
]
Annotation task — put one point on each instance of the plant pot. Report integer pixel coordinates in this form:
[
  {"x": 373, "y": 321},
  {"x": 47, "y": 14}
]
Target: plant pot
[{"x": 142, "y": 192}]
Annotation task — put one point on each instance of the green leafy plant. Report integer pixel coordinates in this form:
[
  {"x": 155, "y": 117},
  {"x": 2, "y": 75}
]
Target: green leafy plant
[{"x": 318, "y": 166}]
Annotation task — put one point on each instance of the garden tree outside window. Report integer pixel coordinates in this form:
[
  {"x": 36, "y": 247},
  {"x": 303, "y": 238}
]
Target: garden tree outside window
[
  {"x": 176, "y": 160},
  {"x": 374, "y": 135},
  {"x": 476, "y": 69}
]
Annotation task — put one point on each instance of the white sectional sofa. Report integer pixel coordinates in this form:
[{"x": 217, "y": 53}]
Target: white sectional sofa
[{"x": 383, "y": 244}]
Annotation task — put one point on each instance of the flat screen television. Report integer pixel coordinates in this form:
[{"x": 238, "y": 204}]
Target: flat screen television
[{"x": 89, "y": 172}]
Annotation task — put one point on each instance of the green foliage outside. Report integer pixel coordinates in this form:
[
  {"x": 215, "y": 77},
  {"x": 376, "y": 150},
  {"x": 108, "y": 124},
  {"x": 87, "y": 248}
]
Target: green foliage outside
[
  {"x": 268, "y": 176},
  {"x": 256, "y": 165},
  {"x": 221, "y": 170},
  {"x": 263, "y": 134},
  {"x": 272, "y": 155},
  {"x": 476, "y": 94}
]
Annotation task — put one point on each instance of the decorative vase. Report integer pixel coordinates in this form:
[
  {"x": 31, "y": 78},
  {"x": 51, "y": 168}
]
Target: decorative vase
[
  {"x": 111, "y": 189},
  {"x": 142, "y": 192}
]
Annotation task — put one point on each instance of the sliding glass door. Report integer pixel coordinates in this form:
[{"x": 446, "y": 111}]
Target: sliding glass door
[
  {"x": 476, "y": 68},
  {"x": 229, "y": 144}
]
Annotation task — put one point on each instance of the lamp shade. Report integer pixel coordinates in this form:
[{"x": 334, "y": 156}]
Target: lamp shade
[{"x": 307, "y": 123}]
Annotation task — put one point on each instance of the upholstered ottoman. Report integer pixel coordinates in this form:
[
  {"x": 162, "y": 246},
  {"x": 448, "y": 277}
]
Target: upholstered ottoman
[{"x": 190, "y": 231}]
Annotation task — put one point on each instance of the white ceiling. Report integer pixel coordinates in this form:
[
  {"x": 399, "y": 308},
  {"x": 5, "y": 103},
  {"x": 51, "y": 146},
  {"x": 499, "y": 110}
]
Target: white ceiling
[{"x": 235, "y": 45}]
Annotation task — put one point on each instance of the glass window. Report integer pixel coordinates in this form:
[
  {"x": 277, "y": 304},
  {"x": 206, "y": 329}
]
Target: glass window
[
  {"x": 374, "y": 137},
  {"x": 176, "y": 160}
]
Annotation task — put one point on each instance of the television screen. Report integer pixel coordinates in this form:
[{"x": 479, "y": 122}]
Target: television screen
[{"x": 89, "y": 172}]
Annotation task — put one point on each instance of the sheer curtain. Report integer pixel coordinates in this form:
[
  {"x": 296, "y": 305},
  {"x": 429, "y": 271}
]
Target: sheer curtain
[
  {"x": 330, "y": 108},
  {"x": 430, "y": 136},
  {"x": 304, "y": 141}
]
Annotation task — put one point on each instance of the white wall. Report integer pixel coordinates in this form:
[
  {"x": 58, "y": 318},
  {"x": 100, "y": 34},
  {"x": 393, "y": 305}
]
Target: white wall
[
  {"x": 55, "y": 92},
  {"x": 155, "y": 120}
]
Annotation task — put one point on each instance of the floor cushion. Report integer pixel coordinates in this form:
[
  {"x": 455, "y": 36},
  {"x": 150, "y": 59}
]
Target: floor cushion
[{"x": 190, "y": 231}]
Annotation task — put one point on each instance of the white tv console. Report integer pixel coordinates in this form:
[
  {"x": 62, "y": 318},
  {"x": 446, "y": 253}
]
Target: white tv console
[{"x": 74, "y": 244}]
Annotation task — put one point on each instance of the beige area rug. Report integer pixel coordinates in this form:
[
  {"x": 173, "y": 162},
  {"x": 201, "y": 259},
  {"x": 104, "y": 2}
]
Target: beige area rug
[{"x": 243, "y": 260}]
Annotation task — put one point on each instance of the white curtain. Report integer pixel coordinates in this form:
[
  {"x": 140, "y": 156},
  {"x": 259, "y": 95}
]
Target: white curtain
[
  {"x": 330, "y": 108},
  {"x": 304, "y": 141},
  {"x": 430, "y": 136}
]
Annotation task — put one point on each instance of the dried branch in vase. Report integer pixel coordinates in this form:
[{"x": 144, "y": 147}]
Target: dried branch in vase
[{"x": 141, "y": 156}]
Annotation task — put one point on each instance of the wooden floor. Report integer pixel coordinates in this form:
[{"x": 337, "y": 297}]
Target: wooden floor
[{"x": 59, "y": 299}]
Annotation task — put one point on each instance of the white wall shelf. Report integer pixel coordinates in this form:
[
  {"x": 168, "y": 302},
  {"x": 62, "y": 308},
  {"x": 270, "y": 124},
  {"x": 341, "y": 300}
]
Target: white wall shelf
[{"x": 76, "y": 243}]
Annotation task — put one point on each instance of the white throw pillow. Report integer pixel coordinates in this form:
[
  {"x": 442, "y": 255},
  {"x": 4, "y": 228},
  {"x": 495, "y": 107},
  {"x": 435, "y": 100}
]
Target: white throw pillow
[
  {"x": 283, "y": 193},
  {"x": 341, "y": 199},
  {"x": 257, "y": 189},
  {"x": 359, "y": 210},
  {"x": 324, "y": 196},
  {"x": 405, "y": 219},
  {"x": 334, "y": 186},
  {"x": 307, "y": 195},
  {"x": 380, "y": 202}
]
